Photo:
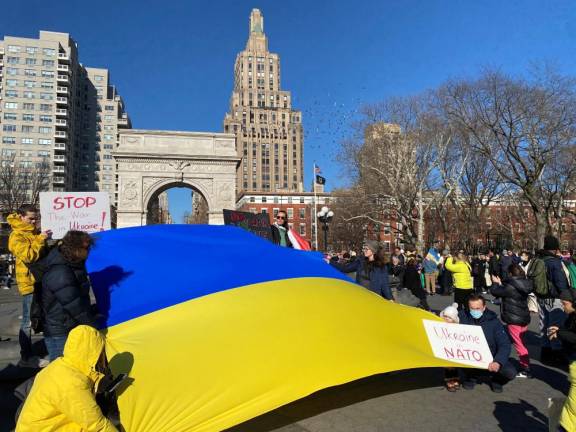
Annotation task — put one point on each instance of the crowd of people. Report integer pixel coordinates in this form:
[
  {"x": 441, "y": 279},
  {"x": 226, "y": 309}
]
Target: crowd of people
[
  {"x": 522, "y": 284},
  {"x": 56, "y": 299}
]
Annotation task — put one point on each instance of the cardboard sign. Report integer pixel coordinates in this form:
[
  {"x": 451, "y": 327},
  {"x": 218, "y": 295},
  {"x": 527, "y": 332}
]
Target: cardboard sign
[
  {"x": 459, "y": 343},
  {"x": 80, "y": 211},
  {"x": 258, "y": 223}
]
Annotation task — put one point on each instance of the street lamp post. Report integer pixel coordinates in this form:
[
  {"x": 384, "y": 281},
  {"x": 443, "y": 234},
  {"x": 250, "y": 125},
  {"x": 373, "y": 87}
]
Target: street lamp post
[{"x": 325, "y": 216}]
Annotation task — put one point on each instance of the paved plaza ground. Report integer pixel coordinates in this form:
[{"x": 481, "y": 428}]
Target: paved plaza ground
[{"x": 412, "y": 400}]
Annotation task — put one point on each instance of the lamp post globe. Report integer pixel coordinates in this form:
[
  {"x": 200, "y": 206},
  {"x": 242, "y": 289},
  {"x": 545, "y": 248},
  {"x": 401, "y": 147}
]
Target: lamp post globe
[{"x": 325, "y": 216}]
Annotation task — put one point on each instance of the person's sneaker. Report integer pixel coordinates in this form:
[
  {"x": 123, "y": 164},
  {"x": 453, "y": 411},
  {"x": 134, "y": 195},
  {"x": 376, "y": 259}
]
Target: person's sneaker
[
  {"x": 42, "y": 362},
  {"x": 495, "y": 387},
  {"x": 468, "y": 385},
  {"x": 524, "y": 374},
  {"x": 33, "y": 362}
]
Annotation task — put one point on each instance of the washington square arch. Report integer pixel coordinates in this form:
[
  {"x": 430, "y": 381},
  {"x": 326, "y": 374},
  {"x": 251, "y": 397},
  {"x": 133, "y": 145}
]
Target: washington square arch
[{"x": 150, "y": 162}]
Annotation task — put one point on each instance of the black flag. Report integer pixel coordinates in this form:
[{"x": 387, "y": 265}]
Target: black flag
[{"x": 320, "y": 180}]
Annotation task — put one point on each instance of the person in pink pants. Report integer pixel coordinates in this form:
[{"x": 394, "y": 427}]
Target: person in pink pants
[{"x": 514, "y": 291}]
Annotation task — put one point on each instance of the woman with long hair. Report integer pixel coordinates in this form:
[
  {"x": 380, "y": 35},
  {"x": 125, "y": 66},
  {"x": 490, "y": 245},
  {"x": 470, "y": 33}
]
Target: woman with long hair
[{"x": 371, "y": 269}]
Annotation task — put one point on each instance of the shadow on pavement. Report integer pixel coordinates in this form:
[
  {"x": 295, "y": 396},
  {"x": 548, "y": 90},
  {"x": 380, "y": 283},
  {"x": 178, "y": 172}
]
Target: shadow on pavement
[
  {"x": 513, "y": 417},
  {"x": 343, "y": 395},
  {"x": 10, "y": 377}
]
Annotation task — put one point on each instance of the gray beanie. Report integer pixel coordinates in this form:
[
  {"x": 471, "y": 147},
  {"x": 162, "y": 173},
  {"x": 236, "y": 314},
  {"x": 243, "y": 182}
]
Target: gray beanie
[{"x": 372, "y": 245}]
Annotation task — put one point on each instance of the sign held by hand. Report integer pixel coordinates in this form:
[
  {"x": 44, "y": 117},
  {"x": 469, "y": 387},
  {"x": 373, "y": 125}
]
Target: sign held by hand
[
  {"x": 459, "y": 343},
  {"x": 80, "y": 211}
]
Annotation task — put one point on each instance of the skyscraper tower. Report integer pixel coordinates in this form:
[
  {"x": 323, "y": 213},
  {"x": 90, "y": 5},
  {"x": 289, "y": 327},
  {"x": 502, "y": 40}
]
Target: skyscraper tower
[{"x": 269, "y": 135}]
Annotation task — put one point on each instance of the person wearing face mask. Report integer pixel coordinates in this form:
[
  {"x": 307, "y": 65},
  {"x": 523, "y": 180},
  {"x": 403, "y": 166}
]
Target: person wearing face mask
[
  {"x": 500, "y": 371},
  {"x": 371, "y": 269},
  {"x": 66, "y": 290},
  {"x": 63, "y": 396}
]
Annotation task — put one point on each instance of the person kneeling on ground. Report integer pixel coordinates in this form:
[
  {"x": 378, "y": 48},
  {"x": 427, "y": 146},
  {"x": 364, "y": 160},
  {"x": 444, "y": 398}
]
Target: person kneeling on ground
[
  {"x": 63, "y": 396},
  {"x": 450, "y": 315},
  {"x": 500, "y": 370}
]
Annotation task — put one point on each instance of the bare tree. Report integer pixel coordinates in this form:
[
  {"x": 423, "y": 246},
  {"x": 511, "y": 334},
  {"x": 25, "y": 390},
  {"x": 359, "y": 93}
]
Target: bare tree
[
  {"x": 21, "y": 182},
  {"x": 394, "y": 162},
  {"x": 523, "y": 129}
]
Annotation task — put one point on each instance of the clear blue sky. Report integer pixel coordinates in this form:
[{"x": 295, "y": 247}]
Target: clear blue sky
[{"x": 172, "y": 61}]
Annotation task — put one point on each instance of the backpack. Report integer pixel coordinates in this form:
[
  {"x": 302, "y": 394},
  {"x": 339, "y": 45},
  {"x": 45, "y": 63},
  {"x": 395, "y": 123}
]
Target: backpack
[
  {"x": 543, "y": 288},
  {"x": 537, "y": 273},
  {"x": 572, "y": 272}
]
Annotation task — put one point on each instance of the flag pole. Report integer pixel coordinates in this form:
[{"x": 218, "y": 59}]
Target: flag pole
[{"x": 315, "y": 208}]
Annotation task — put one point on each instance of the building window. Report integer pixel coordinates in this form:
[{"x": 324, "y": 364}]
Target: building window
[
  {"x": 109, "y": 108},
  {"x": 14, "y": 48},
  {"x": 108, "y": 137},
  {"x": 98, "y": 78},
  {"x": 252, "y": 199},
  {"x": 302, "y": 213},
  {"x": 45, "y": 118},
  {"x": 46, "y": 96},
  {"x": 45, "y": 107},
  {"x": 264, "y": 210},
  {"x": 27, "y": 141},
  {"x": 290, "y": 213},
  {"x": 29, "y": 95},
  {"x": 8, "y": 140},
  {"x": 302, "y": 229},
  {"x": 47, "y": 74},
  {"x": 31, "y": 50},
  {"x": 10, "y": 116},
  {"x": 45, "y": 141},
  {"x": 49, "y": 52},
  {"x": 28, "y": 106},
  {"x": 386, "y": 246},
  {"x": 12, "y": 71},
  {"x": 263, "y": 199},
  {"x": 30, "y": 72},
  {"x": 107, "y": 156},
  {"x": 9, "y": 128},
  {"x": 27, "y": 129},
  {"x": 47, "y": 85},
  {"x": 43, "y": 153},
  {"x": 11, "y": 105},
  {"x": 12, "y": 83},
  {"x": 253, "y": 210}
]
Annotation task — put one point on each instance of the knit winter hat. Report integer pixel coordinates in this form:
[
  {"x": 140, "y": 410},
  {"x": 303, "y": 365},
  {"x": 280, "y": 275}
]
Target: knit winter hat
[
  {"x": 451, "y": 312},
  {"x": 372, "y": 245},
  {"x": 551, "y": 243}
]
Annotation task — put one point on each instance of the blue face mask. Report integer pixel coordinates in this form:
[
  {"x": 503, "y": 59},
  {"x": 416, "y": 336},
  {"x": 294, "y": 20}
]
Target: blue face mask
[{"x": 476, "y": 313}]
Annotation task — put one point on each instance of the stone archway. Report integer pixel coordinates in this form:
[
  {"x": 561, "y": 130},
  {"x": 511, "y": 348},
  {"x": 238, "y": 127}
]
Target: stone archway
[{"x": 149, "y": 161}]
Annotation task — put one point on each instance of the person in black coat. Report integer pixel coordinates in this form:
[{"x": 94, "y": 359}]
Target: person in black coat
[
  {"x": 514, "y": 311},
  {"x": 500, "y": 370},
  {"x": 413, "y": 282},
  {"x": 66, "y": 291},
  {"x": 478, "y": 273}
]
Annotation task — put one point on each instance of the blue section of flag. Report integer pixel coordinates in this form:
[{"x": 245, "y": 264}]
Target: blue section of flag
[{"x": 135, "y": 271}]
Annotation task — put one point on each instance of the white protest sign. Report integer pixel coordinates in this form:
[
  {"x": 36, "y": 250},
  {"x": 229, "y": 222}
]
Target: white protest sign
[
  {"x": 81, "y": 211},
  {"x": 459, "y": 343}
]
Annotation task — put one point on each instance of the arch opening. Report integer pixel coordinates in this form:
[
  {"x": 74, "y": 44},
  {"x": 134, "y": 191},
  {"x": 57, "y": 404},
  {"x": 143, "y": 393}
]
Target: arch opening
[{"x": 177, "y": 203}]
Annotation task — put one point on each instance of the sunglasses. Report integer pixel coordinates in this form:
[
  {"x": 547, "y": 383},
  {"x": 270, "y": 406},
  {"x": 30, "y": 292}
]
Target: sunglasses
[{"x": 280, "y": 217}]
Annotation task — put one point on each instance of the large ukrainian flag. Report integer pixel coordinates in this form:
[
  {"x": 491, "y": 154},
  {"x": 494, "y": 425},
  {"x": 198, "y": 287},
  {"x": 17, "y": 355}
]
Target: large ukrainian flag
[{"x": 217, "y": 326}]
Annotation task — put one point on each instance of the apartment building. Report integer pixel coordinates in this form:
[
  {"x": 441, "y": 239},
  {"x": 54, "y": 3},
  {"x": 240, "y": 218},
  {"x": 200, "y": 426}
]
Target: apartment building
[
  {"x": 269, "y": 134},
  {"x": 52, "y": 112}
]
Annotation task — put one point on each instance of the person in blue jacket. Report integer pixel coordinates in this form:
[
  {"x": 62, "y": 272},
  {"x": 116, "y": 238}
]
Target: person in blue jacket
[
  {"x": 500, "y": 371},
  {"x": 371, "y": 269}
]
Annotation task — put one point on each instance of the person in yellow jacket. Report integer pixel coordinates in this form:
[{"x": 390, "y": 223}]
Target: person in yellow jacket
[
  {"x": 462, "y": 276},
  {"x": 63, "y": 396},
  {"x": 27, "y": 246}
]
